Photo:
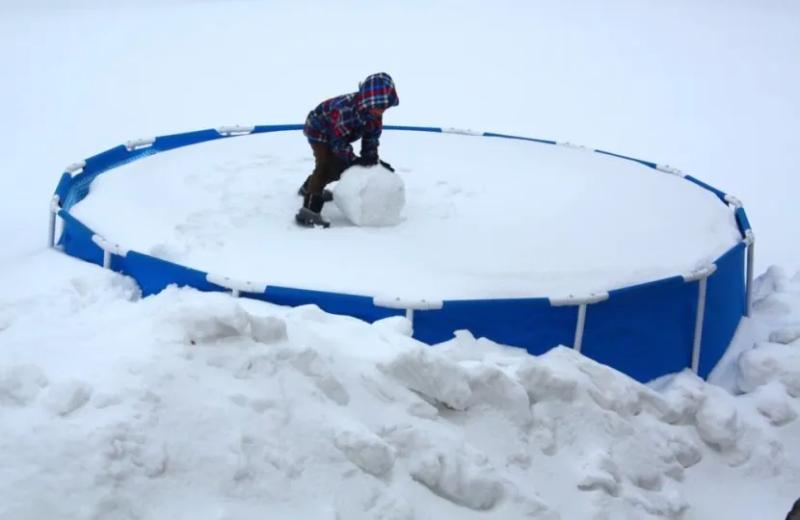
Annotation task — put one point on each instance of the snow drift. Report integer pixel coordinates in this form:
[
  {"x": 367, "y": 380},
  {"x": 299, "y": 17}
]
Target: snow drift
[{"x": 229, "y": 408}]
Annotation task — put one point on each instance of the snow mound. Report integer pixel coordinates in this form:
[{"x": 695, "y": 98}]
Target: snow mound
[
  {"x": 776, "y": 298},
  {"x": 370, "y": 197},
  {"x": 238, "y": 406}
]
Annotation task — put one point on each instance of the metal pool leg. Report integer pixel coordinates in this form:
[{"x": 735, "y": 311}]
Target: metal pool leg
[
  {"x": 579, "y": 327},
  {"x": 54, "y": 207},
  {"x": 701, "y": 276},
  {"x": 581, "y": 301},
  {"x": 698, "y": 324},
  {"x": 751, "y": 245}
]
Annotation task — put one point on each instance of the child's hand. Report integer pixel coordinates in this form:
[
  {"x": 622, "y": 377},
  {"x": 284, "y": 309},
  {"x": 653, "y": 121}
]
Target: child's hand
[{"x": 362, "y": 161}]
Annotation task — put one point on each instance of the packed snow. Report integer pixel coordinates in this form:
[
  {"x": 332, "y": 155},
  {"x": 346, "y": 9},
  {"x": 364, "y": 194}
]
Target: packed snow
[
  {"x": 371, "y": 197},
  {"x": 203, "y": 406}
]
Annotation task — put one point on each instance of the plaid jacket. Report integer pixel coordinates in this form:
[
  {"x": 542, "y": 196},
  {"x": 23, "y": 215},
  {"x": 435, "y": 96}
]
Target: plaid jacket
[{"x": 339, "y": 121}]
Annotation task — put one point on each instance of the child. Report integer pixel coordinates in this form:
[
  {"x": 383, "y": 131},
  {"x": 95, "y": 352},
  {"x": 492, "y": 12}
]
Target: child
[{"x": 331, "y": 127}]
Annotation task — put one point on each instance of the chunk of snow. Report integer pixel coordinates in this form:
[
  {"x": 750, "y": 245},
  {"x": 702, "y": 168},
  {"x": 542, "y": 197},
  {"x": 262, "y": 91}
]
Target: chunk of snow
[
  {"x": 366, "y": 450},
  {"x": 785, "y": 335},
  {"x": 19, "y": 385},
  {"x": 718, "y": 420},
  {"x": 770, "y": 362},
  {"x": 773, "y": 402},
  {"x": 396, "y": 325},
  {"x": 432, "y": 376},
  {"x": 267, "y": 329}
]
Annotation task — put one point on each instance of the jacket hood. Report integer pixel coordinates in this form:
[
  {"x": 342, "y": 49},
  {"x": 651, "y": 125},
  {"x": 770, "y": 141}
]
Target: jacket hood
[{"x": 377, "y": 91}]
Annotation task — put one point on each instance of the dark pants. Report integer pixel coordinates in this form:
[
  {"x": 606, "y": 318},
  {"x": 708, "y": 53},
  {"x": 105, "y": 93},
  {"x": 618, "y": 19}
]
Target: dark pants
[{"x": 327, "y": 168}]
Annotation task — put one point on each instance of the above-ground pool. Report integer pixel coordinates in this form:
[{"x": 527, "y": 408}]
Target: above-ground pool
[{"x": 527, "y": 242}]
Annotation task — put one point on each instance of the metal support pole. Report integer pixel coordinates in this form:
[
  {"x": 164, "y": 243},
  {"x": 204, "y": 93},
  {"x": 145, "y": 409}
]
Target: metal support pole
[
  {"x": 54, "y": 207},
  {"x": 581, "y": 301},
  {"x": 749, "y": 286},
  {"x": 236, "y": 287},
  {"x": 410, "y": 315},
  {"x": 108, "y": 250},
  {"x": 701, "y": 276},
  {"x": 579, "y": 327},
  {"x": 51, "y": 240},
  {"x": 698, "y": 324}
]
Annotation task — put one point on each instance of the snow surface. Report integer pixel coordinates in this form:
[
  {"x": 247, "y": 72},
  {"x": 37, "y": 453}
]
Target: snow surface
[
  {"x": 190, "y": 405},
  {"x": 485, "y": 217}
]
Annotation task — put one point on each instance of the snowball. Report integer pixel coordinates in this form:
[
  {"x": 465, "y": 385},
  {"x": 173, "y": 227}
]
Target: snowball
[{"x": 370, "y": 196}]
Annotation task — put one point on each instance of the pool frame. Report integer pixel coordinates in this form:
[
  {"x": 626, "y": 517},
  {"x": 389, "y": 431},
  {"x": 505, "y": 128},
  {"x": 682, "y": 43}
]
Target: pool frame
[{"x": 645, "y": 330}]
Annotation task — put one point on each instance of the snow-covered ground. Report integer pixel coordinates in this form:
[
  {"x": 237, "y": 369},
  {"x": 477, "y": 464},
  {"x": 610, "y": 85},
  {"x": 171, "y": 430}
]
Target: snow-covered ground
[{"x": 191, "y": 405}]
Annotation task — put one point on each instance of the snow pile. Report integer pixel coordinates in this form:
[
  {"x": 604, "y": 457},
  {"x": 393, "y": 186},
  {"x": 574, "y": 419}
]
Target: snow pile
[
  {"x": 372, "y": 197},
  {"x": 190, "y": 404},
  {"x": 772, "y": 366}
]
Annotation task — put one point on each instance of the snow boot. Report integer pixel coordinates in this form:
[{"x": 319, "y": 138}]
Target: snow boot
[
  {"x": 327, "y": 195},
  {"x": 309, "y": 215}
]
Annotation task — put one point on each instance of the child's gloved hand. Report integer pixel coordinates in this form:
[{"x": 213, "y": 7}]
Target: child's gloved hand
[
  {"x": 363, "y": 161},
  {"x": 387, "y": 165}
]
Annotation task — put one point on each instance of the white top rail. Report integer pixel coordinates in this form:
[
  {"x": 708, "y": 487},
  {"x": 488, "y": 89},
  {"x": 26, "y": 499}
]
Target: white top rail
[
  {"x": 75, "y": 167},
  {"x": 733, "y": 201},
  {"x": 109, "y": 247},
  {"x": 666, "y": 168},
  {"x": 235, "y": 130},
  {"x": 236, "y": 285},
  {"x": 699, "y": 273},
  {"x": 567, "y": 144},
  {"x": 580, "y": 299},
  {"x": 138, "y": 144},
  {"x": 406, "y": 303},
  {"x": 462, "y": 131}
]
